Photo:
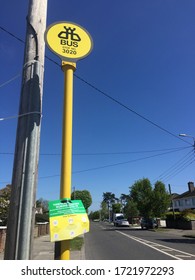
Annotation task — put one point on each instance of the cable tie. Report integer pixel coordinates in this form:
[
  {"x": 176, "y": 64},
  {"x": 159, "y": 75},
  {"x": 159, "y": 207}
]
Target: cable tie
[{"x": 32, "y": 62}]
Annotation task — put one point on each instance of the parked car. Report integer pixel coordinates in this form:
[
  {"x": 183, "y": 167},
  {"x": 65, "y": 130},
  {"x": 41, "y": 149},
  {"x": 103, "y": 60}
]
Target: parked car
[
  {"x": 122, "y": 223},
  {"x": 148, "y": 223}
]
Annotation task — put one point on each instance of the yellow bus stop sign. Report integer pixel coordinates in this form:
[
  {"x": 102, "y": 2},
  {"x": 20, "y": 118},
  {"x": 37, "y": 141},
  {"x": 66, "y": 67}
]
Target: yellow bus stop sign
[{"x": 68, "y": 40}]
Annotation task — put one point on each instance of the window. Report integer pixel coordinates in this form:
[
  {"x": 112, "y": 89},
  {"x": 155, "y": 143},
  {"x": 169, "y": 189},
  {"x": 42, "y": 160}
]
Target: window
[
  {"x": 188, "y": 201},
  {"x": 180, "y": 202}
]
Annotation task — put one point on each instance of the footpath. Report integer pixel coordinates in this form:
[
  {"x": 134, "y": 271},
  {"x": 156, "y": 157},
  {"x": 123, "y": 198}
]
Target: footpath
[{"x": 43, "y": 249}]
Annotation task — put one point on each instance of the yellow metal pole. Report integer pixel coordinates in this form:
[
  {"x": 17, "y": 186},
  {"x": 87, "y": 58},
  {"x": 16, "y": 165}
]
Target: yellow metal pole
[{"x": 66, "y": 161}]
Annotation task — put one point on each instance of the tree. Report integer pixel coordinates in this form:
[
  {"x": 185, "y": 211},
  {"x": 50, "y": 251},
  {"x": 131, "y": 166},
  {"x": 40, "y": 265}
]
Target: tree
[
  {"x": 104, "y": 211},
  {"x": 116, "y": 208},
  {"x": 85, "y": 196},
  {"x": 43, "y": 215},
  {"x": 42, "y": 203},
  {"x": 109, "y": 198},
  {"x": 161, "y": 199},
  {"x": 131, "y": 209},
  {"x": 4, "y": 204},
  {"x": 150, "y": 202},
  {"x": 94, "y": 215},
  {"x": 141, "y": 193},
  {"x": 124, "y": 198}
]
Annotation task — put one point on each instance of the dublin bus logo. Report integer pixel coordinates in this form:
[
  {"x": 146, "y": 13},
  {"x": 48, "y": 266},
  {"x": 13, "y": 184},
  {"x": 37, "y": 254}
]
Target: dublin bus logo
[{"x": 69, "y": 37}]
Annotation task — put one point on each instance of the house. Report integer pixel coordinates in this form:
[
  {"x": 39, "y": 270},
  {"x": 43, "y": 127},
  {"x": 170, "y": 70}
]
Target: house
[
  {"x": 38, "y": 210},
  {"x": 185, "y": 200}
]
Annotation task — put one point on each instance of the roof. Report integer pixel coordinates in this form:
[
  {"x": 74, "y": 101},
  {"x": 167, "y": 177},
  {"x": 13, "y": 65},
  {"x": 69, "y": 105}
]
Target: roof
[{"x": 185, "y": 195}]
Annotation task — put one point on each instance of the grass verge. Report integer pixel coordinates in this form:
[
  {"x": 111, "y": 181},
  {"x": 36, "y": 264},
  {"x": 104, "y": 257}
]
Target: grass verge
[{"x": 76, "y": 243}]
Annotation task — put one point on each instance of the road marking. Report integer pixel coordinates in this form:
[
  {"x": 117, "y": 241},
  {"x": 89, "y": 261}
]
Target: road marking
[
  {"x": 183, "y": 256},
  {"x": 163, "y": 249},
  {"x": 166, "y": 249}
]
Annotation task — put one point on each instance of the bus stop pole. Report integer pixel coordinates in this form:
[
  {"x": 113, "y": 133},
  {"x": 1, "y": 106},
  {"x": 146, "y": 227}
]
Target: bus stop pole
[{"x": 66, "y": 161}]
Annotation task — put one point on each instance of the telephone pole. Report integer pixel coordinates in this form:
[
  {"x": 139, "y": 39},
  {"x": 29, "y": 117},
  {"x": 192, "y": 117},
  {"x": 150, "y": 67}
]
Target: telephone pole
[{"x": 19, "y": 239}]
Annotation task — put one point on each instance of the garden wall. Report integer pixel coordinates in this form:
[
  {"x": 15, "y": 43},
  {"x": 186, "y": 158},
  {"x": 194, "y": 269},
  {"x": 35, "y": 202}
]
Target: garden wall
[{"x": 180, "y": 224}]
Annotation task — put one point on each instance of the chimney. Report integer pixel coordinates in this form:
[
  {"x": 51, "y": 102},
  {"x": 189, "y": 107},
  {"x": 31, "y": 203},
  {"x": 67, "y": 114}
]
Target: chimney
[{"x": 191, "y": 186}]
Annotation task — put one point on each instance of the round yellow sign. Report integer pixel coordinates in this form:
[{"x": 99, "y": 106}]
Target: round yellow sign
[{"x": 68, "y": 40}]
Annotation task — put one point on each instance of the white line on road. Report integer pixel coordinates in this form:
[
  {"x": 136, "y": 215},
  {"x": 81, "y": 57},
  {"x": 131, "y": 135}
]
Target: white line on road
[{"x": 163, "y": 248}]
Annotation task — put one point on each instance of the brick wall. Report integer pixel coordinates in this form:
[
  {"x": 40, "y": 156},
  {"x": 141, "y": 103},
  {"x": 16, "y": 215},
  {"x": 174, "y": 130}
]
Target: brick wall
[{"x": 2, "y": 239}]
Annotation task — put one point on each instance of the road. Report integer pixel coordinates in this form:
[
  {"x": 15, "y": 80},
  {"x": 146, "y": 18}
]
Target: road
[{"x": 106, "y": 242}]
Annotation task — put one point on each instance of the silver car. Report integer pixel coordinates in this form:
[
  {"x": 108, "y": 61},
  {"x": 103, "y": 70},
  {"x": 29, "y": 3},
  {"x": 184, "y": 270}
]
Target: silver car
[{"x": 122, "y": 223}]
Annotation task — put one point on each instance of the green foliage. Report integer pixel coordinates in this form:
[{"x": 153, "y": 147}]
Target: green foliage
[
  {"x": 41, "y": 218},
  {"x": 150, "y": 202},
  {"x": 160, "y": 199},
  {"x": 5, "y": 195},
  {"x": 185, "y": 215},
  {"x": 4, "y": 204},
  {"x": 131, "y": 209},
  {"x": 116, "y": 207},
  {"x": 109, "y": 198},
  {"x": 143, "y": 200},
  {"x": 141, "y": 193},
  {"x": 188, "y": 214},
  {"x": 76, "y": 243},
  {"x": 84, "y": 196},
  {"x": 170, "y": 216},
  {"x": 44, "y": 216},
  {"x": 42, "y": 203},
  {"x": 104, "y": 211},
  {"x": 94, "y": 215}
]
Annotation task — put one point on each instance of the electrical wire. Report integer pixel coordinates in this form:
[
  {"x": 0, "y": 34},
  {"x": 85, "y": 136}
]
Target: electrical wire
[
  {"x": 11, "y": 80},
  {"x": 122, "y": 163},
  {"x": 19, "y": 116},
  {"x": 107, "y": 153},
  {"x": 112, "y": 99},
  {"x": 108, "y": 96},
  {"x": 11, "y": 34},
  {"x": 179, "y": 170},
  {"x": 128, "y": 108},
  {"x": 112, "y": 165},
  {"x": 177, "y": 167}
]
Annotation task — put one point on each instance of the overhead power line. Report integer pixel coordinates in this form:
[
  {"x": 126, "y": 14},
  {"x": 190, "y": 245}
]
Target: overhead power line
[
  {"x": 129, "y": 109},
  {"x": 106, "y": 94},
  {"x": 178, "y": 167},
  {"x": 10, "y": 80},
  {"x": 11, "y": 34},
  {"x": 124, "y": 162},
  {"x": 111, "y": 165},
  {"x": 108, "y": 153}
]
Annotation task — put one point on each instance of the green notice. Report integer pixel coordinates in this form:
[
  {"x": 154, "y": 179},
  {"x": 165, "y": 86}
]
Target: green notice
[{"x": 65, "y": 207}]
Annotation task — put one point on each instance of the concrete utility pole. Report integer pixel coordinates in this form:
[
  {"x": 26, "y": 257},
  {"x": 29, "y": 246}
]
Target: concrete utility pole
[{"x": 20, "y": 228}]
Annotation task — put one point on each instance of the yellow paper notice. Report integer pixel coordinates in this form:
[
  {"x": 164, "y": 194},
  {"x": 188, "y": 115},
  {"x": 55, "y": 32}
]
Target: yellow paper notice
[{"x": 68, "y": 227}]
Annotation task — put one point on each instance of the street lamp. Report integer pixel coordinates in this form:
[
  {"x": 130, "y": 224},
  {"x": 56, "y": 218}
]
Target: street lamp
[{"x": 190, "y": 136}]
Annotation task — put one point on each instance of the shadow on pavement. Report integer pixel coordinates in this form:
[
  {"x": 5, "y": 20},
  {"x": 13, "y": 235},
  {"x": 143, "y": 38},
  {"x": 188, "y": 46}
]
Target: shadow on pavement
[{"x": 178, "y": 240}]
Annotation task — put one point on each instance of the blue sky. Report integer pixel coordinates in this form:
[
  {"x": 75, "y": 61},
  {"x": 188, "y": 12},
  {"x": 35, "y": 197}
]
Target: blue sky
[{"x": 144, "y": 59}]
